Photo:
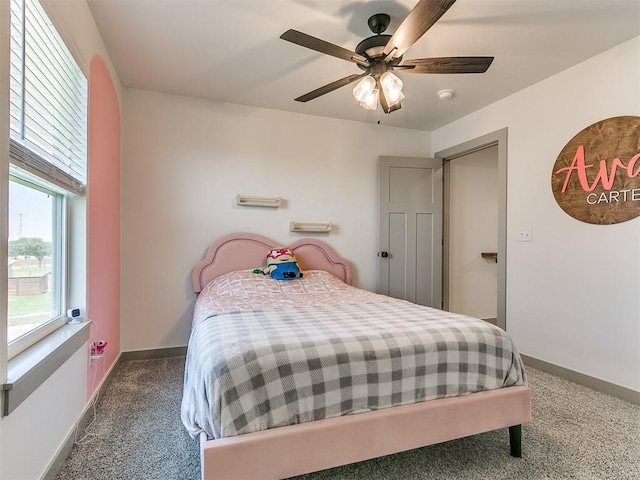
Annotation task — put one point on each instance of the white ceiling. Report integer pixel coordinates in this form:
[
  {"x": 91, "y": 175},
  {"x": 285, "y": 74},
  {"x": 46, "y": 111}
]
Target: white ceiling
[{"x": 230, "y": 50}]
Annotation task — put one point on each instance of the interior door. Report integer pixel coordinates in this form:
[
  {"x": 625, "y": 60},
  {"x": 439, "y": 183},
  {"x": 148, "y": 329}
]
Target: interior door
[{"x": 410, "y": 235}]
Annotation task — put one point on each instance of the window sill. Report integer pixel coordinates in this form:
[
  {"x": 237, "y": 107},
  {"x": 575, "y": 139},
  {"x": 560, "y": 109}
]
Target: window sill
[{"x": 29, "y": 369}]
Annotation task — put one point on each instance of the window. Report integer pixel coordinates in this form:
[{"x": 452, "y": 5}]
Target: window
[
  {"x": 36, "y": 261},
  {"x": 48, "y": 144}
]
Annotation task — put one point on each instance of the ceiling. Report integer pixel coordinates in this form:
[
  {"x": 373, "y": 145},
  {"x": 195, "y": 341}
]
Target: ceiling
[{"x": 230, "y": 50}]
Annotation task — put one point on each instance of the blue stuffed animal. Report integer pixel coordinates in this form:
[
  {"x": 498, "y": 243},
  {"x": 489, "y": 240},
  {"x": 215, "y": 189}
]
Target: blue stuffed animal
[
  {"x": 281, "y": 265},
  {"x": 286, "y": 271}
]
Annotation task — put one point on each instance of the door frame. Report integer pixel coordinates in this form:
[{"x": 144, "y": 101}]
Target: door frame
[{"x": 499, "y": 138}]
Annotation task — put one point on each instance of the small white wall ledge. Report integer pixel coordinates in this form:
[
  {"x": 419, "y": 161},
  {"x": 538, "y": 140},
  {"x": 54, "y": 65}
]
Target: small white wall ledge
[
  {"x": 310, "y": 227},
  {"x": 271, "y": 202}
]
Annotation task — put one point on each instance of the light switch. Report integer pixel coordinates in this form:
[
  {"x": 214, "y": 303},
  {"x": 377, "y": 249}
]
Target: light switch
[{"x": 526, "y": 234}]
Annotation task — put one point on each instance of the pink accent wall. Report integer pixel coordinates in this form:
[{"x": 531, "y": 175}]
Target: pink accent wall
[{"x": 103, "y": 218}]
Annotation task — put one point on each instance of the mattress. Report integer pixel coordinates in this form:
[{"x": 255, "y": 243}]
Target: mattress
[{"x": 265, "y": 353}]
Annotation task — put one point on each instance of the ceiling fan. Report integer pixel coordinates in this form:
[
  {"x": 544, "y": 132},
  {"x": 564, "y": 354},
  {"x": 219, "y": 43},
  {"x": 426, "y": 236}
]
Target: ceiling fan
[{"x": 379, "y": 55}]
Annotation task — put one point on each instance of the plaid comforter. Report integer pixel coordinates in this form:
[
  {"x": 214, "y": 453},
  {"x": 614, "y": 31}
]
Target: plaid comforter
[{"x": 254, "y": 370}]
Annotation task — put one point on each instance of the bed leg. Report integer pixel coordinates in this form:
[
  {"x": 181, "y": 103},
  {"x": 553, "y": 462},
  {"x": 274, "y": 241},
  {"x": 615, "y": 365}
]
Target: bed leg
[{"x": 515, "y": 440}]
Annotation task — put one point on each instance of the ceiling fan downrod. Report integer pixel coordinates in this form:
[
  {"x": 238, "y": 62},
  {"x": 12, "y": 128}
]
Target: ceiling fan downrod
[{"x": 379, "y": 22}]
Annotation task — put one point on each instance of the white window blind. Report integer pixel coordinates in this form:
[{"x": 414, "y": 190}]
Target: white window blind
[{"x": 48, "y": 101}]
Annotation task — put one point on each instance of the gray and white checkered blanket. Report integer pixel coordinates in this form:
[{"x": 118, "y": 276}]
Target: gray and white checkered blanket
[{"x": 254, "y": 370}]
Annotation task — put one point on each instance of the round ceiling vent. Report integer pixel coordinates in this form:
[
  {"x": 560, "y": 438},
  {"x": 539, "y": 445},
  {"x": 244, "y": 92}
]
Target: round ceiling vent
[{"x": 446, "y": 94}]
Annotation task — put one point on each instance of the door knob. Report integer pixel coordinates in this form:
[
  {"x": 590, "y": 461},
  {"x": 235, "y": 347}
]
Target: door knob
[{"x": 383, "y": 254}]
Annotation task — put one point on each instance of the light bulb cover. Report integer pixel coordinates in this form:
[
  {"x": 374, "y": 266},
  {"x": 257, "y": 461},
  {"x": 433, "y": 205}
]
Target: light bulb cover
[
  {"x": 394, "y": 97},
  {"x": 364, "y": 88},
  {"x": 370, "y": 101},
  {"x": 392, "y": 87}
]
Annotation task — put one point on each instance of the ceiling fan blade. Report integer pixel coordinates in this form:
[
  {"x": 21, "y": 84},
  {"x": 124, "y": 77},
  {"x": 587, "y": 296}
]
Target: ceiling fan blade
[
  {"x": 419, "y": 20},
  {"x": 321, "y": 46},
  {"x": 330, "y": 87},
  {"x": 448, "y": 65}
]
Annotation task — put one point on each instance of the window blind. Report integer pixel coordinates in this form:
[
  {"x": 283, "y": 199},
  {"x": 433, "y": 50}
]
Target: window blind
[{"x": 48, "y": 101}]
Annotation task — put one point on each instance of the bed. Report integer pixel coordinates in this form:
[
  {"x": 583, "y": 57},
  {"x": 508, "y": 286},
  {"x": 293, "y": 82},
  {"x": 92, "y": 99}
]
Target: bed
[{"x": 248, "y": 432}]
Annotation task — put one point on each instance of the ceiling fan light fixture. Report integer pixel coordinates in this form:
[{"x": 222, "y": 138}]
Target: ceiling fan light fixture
[
  {"x": 394, "y": 97},
  {"x": 370, "y": 101},
  {"x": 364, "y": 88},
  {"x": 392, "y": 87},
  {"x": 380, "y": 53}
]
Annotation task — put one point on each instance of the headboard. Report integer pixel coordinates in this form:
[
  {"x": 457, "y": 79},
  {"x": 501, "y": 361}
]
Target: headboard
[{"x": 244, "y": 251}]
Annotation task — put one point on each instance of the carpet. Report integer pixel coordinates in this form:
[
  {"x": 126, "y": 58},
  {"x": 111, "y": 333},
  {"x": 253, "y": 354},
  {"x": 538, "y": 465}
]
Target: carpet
[{"x": 576, "y": 433}]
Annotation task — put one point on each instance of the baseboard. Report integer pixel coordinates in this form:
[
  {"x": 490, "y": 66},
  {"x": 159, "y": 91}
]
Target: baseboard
[
  {"x": 83, "y": 421},
  {"x": 156, "y": 353},
  {"x": 613, "y": 389}
]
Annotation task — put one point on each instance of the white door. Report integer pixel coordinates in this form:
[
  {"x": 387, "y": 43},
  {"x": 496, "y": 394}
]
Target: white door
[{"x": 410, "y": 235}]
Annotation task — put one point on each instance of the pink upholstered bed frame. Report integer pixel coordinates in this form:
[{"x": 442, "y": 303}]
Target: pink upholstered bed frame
[{"x": 293, "y": 450}]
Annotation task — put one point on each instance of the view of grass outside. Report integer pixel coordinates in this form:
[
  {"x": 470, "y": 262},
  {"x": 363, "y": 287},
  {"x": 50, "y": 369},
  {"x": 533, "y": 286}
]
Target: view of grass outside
[
  {"x": 32, "y": 306},
  {"x": 24, "y": 309},
  {"x": 29, "y": 271}
]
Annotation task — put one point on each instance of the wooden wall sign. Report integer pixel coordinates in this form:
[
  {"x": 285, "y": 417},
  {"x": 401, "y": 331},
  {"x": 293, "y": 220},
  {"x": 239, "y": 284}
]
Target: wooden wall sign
[{"x": 596, "y": 177}]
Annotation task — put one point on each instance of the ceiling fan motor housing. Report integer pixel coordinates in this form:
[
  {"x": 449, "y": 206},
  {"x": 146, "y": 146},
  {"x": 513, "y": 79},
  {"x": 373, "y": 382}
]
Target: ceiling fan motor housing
[{"x": 372, "y": 47}]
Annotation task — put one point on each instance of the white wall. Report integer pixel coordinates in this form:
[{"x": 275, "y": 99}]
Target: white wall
[
  {"x": 33, "y": 432},
  {"x": 184, "y": 162},
  {"x": 31, "y": 436},
  {"x": 573, "y": 294}
]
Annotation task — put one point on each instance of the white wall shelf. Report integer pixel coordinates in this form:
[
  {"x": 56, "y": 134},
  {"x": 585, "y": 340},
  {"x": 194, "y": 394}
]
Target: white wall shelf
[
  {"x": 310, "y": 227},
  {"x": 271, "y": 202}
]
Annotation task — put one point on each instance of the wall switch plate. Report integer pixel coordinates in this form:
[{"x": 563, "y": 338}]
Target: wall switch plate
[{"x": 526, "y": 234}]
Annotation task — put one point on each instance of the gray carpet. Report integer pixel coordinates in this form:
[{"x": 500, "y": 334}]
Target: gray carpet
[{"x": 576, "y": 433}]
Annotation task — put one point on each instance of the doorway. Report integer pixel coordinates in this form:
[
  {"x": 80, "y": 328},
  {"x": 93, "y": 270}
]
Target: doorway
[
  {"x": 471, "y": 202},
  {"x": 489, "y": 267}
]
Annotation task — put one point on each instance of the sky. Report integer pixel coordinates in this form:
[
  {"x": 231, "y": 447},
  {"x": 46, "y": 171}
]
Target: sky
[{"x": 30, "y": 213}]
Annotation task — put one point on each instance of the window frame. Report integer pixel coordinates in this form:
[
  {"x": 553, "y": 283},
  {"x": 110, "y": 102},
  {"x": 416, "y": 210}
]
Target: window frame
[{"x": 60, "y": 225}]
